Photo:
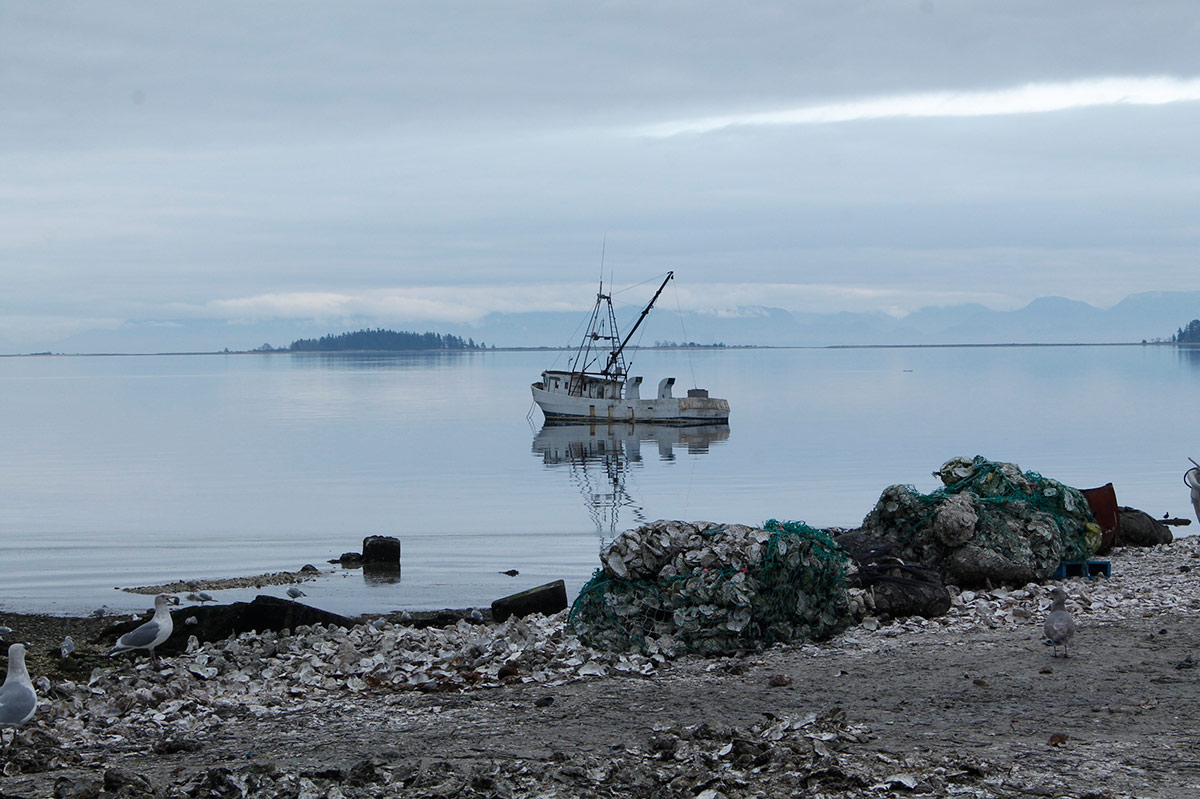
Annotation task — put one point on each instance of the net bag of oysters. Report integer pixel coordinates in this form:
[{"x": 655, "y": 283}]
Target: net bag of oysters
[
  {"x": 672, "y": 587},
  {"x": 990, "y": 524}
]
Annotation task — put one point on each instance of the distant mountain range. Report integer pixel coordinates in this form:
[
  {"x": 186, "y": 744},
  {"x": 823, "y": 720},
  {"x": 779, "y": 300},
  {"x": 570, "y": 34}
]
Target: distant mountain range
[{"x": 1049, "y": 320}]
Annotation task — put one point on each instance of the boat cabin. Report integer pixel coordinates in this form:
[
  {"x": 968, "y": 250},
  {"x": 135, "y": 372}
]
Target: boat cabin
[{"x": 574, "y": 384}]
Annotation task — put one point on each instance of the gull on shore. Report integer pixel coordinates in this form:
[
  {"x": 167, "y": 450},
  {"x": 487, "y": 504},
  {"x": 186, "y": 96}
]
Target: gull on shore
[
  {"x": 153, "y": 632},
  {"x": 1059, "y": 626},
  {"x": 18, "y": 700},
  {"x": 67, "y": 647},
  {"x": 295, "y": 593}
]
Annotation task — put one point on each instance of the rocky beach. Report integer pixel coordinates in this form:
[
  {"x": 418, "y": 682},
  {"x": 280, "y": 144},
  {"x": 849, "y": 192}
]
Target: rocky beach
[{"x": 971, "y": 703}]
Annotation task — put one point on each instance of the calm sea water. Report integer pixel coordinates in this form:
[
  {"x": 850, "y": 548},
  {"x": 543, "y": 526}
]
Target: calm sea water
[{"x": 125, "y": 471}]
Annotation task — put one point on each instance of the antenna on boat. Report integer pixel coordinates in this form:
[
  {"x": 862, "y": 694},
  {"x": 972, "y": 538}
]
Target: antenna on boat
[{"x": 603, "y": 247}]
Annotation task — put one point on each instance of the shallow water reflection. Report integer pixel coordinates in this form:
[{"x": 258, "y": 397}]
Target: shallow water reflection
[{"x": 600, "y": 457}]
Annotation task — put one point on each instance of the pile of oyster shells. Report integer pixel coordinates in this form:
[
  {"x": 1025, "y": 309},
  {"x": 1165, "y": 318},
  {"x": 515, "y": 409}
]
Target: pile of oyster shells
[
  {"x": 272, "y": 672},
  {"x": 668, "y": 549},
  {"x": 676, "y": 587},
  {"x": 779, "y": 756}
]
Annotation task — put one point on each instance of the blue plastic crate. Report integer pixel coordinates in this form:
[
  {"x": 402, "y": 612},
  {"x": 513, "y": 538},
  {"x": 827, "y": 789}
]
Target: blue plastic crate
[{"x": 1082, "y": 568}]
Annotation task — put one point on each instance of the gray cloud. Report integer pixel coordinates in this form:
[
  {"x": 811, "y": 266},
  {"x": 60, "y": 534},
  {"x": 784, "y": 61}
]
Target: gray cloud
[{"x": 186, "y": 159}]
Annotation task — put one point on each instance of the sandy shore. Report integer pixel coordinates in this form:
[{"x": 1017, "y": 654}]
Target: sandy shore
[{"x": 970, "y": 704}]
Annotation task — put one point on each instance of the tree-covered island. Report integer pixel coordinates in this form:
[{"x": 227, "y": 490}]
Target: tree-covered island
[{"x": 384, "y": 340}]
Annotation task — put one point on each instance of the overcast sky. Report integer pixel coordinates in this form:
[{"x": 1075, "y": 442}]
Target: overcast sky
[{"x": 421, "y": 163}]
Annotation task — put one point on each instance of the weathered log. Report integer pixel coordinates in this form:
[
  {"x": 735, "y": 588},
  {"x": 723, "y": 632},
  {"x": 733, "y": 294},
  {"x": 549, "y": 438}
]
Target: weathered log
[
  {"x": 218, "y": 622},
  {"x": 546, "y": 599}
]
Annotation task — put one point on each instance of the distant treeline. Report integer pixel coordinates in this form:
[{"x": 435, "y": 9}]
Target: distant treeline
[
  {"x": 384, "y": 340},
  {"x": 675, "y": 345},
  {"x": 1189, "y": 334}
]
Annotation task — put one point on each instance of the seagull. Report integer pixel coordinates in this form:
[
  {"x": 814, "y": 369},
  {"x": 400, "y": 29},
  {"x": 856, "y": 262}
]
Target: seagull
[
  {"x": 295, "y": 593},
  {"x": 1059, "y": 625},
  {"x": 205, "y": 597},
  {"x": 18, "y": 700},
  {"x": 153, "y": 632},
  {"x": 100, "y": 612},
  {"x": 193, "y": 598},
  {"x": 67, "y": 647},
  {"x": 5, "y": 630}
]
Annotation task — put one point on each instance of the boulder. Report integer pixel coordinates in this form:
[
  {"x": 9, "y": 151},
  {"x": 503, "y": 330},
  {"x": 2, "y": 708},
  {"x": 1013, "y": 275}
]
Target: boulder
[{"x": 381, "y": 549}]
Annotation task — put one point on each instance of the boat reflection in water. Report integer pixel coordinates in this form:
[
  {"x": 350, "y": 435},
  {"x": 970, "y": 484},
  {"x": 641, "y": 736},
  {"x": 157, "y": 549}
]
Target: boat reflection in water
[{"x": 600, "y": 458}]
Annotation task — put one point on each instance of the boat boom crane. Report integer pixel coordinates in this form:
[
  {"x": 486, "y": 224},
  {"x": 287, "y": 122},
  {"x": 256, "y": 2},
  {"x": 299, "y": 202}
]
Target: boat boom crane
[{"x": 612, "y": 359}]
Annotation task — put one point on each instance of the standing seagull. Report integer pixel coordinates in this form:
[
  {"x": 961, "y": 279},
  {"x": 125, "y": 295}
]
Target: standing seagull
[
  {"x": 17, "y": 697},
  {"x": 295, "y": 593},
  {"x": 1059, "y": 625},
  {"x": 153, "y": 632}
]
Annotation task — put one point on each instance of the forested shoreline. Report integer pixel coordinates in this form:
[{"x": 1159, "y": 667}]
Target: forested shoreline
[
  {"x": 1189, "y": 334},
  {"x": 384, "y": 340}
]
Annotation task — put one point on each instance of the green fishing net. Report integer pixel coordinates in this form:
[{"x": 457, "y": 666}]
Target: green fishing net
[
  {"x": 989, "y": 523},
  {"x": 704, "y": 588}
]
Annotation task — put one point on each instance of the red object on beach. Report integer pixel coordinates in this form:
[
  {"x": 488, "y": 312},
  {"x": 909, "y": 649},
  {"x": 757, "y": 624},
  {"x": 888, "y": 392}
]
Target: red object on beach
[{"x": 1103, "y": 502}]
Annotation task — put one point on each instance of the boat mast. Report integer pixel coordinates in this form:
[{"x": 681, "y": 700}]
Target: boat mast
[
  {"x": 596, "y": 332},
  {"x": 615, "y": 357}
]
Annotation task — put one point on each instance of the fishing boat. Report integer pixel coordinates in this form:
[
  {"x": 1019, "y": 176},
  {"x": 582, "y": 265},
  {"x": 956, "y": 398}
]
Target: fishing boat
[{"x": 597, "y": 385}]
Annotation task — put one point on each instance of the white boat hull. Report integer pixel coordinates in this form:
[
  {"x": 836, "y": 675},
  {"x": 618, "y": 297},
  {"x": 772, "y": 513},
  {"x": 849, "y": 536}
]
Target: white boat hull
[{"x": 561, "y": 407}]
